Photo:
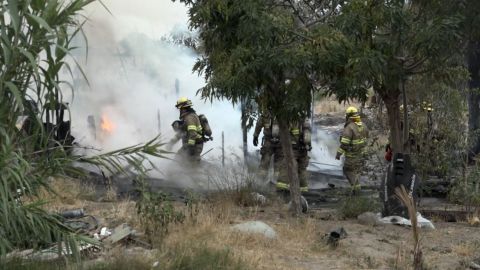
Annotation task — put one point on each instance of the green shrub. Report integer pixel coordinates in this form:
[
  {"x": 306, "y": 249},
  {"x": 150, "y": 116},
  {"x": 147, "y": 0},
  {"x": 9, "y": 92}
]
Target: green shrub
[
  {"x": 353, "y": 206},
  {"x": 156, "y": 213},
  {"x": 466, "y": 191}
]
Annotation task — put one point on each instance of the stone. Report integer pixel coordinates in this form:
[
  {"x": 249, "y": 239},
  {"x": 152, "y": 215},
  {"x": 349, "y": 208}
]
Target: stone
[
  {"x": 256, "y": 227},
  {"x": 369, "y": 219}
]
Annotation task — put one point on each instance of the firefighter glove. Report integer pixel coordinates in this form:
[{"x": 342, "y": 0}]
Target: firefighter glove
[
  {"x": 255, "y": 141},
  {"x": 309, "y": 147}
]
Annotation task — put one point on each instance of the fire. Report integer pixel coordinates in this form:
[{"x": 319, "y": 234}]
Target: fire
[{"x": 106, "y": 124}]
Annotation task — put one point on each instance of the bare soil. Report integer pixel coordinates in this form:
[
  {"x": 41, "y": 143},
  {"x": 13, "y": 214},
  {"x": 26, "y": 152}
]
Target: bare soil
[{"x": 301, "y": 242}]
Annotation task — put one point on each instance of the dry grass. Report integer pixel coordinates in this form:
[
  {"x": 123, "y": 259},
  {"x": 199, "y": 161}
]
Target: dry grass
[
  {"x": 299, "y": 243},
  {"x": 66, "y": 194},
  {"x": 212, "y": 227},
  {"x": 465, "y": 249},
  {"x": 331, "y": 105}
]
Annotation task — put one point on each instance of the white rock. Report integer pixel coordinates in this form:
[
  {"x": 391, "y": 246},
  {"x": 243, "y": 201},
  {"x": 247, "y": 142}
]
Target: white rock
[{"x": 256, "y": 227}]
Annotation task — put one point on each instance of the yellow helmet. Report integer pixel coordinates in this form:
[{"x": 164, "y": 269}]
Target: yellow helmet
[
  {"x": 401, "y": 108},
  {"x": 427, "y": 106},
  {"x": 183, "y": 102},
  {"x": 351, "y": 111}
]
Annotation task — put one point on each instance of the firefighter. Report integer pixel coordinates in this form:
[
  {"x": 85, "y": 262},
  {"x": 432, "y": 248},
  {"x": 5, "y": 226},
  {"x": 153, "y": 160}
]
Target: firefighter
[
  {"x": 301, "y": 136},
  {"x": 189, "y": 130},
  {"x": 270, "y": 141},
  {"x": 352, "y": 146}
]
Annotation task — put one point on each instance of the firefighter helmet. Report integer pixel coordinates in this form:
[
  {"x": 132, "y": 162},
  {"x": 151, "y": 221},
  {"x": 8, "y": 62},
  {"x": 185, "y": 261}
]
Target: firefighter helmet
[
  {"x": 427, "y": 106},
  {"x": 183, "y": 102},
  {"x": 351, "y": 111}
]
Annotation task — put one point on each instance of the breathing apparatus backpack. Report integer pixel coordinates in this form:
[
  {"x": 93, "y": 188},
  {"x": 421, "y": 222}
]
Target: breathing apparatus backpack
[{"x": 206, "y": 130}]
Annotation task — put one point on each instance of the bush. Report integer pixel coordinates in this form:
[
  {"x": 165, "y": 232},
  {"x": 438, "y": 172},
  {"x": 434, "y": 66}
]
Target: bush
[
  {"x": 467, "y": 190},
  {"x": 353, "y": 206},
  {"x": 156, "y": 213},
  {"x": 235, "y": 184}
]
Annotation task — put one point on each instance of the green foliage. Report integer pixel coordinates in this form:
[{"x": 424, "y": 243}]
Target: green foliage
[
  {"x": 391, "y": 39},
  {"x": 390, "y": 42},
  {"x": 256, "y": 50},
  {"x": 35, "y": 47},
  {"x": 36, "y": 40},
  {"x": 353, "y": 206},
  {"x": 133, "y": 157},
  {"x": 439, "y": 144},
  {"x": 157, "y": 213},
  {"x": 466, "y": 191},
  {"x": 192, "y": 202}
]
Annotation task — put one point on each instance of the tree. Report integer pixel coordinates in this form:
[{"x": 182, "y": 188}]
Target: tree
[
  {"x": 259, "y": 50},
  {"x": 388, "y": 43},
  {"x": 471, "y": 39}
]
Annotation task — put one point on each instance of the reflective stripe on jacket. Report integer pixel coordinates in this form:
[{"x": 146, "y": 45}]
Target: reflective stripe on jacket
[
  {"x": 193, "y": 128},
  {"x": 353, "y": 139}
]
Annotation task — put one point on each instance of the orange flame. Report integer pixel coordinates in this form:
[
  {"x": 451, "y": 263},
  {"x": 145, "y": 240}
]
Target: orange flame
[{"x": 106, "y": 124}]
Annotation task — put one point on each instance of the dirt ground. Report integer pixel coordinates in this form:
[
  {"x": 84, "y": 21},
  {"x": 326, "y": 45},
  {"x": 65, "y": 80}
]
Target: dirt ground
[{"x": 300, "y": 242}]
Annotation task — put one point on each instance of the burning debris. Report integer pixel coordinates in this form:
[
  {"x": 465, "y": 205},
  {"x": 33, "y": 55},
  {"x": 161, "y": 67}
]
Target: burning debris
[{"x": 106, "y": 124}]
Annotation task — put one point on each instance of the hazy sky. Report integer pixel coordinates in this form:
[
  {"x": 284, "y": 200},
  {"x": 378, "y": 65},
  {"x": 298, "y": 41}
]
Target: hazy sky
[
  {"x": 152, "y": 17},
  {"x": 134, "y": 91}
]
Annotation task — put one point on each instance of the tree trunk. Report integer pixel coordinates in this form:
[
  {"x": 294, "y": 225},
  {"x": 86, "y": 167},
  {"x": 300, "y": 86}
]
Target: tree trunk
[
  {"x": 393, "y": 112},
  {"x": 244, "y": 134},
  {"x": 291, "y": 166},
  {"x": 473, "y": 60},
  {"x": 406, "y": 125}
]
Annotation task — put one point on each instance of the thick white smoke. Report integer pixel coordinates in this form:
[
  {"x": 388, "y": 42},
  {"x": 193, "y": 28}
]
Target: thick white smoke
[{"x": 135, "y": 77}]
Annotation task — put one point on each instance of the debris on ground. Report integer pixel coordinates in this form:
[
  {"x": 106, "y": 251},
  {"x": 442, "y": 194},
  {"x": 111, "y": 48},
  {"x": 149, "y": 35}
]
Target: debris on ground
[
  {"x": 259, "y": 198},
  {"x": 303, "y": 203},
  {"x": 474, "y": 221},
  {"x": 397, "y": 220},
  {"x": 78, "y": 221},
  {"x": 74, "y": 213},
  {"x": 121, "y": 232},
  {"x": 256, "y": 227},
  {"x": 474, "y": 265},
  {"x": 335, "y": 236},
  {"x": 52, "y": 253}
]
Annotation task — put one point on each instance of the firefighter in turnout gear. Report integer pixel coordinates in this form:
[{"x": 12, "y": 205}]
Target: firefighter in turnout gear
[
  {"x": 270, "y": 142},
  {"x": 189, "y": 130},
  {"x": 352, "y": 145},
  {"x": 301, "y": 136}
]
